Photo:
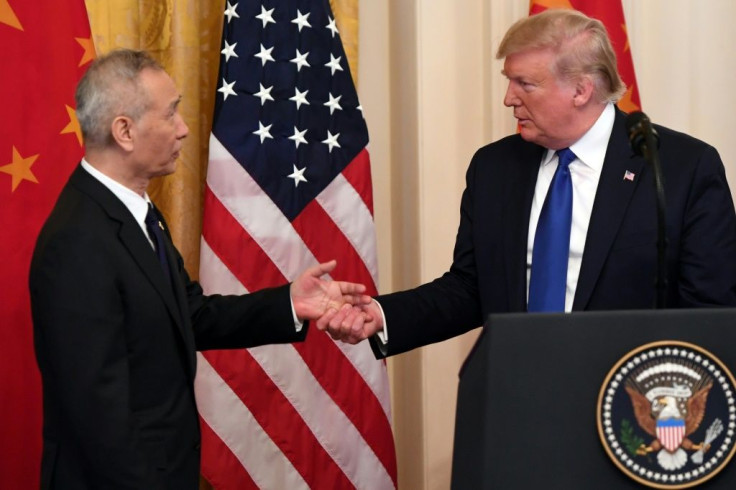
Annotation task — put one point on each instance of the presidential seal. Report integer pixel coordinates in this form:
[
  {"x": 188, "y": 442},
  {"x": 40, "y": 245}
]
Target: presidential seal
[{"x": 667, "y": 415}]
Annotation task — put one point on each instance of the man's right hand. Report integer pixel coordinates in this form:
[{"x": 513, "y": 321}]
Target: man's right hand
[{"x": 352, "y": 324}]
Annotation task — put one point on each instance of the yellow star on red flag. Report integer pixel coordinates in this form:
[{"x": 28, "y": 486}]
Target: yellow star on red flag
[
  {"x": 7, "y": 16},
  {"x": 89, "y": 49},
  {"x": 73, "y": 126},
  {"x": 626, "y": 103},
  {"x": 626, "y": 33},
  {"x": 20, "y": 169}
]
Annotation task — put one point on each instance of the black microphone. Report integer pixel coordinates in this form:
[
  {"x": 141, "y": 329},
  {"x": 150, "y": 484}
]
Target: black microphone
[{"x": 641, "y": 133}]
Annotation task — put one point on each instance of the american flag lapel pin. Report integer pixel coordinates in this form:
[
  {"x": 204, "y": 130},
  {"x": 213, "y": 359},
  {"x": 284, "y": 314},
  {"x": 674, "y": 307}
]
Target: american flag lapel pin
[{"x": 629, "y": 175}]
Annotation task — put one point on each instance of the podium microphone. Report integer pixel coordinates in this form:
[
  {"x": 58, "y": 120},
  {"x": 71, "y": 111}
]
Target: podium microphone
[
  {"x": 645, "y": 142},
  {"x": 642, "y": 135}
]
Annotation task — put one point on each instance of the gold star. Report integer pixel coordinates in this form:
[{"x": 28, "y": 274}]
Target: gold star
[
  {"x": 7, "y": 16},
  {"x": 89, "y": 49},
  {"x": 626, "y": 104},
  {"x": 626, "y": 35},
  {"x": 73, "y": 126},
  {"x": 20, "y": 169}
]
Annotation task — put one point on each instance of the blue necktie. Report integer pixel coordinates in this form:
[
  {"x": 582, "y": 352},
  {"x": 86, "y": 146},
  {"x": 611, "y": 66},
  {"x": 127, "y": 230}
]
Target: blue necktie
[
  {"x": 548, "y": 280},
  {"x": 155, "y": 231}
]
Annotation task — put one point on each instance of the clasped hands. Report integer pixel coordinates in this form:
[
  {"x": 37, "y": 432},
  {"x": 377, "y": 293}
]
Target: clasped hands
[{"x": 340, "y": 308}]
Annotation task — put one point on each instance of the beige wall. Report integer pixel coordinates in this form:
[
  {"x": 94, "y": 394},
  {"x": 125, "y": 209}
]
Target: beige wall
[{"x": 432, "y": 94}]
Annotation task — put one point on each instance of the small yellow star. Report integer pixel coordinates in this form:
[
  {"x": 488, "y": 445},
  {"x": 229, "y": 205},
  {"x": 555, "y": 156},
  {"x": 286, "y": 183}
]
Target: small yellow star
[
  {"x": 626, "y": 35},
  {"x": 20, "y": 169},
  {"x": 7, "y": 16},
  {"x": 89, "y": 49},
  {"x": 73, "y": 126}
]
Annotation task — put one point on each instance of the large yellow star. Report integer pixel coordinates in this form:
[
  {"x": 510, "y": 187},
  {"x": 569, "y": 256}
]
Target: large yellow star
[
  {"x": 73, "y": 126},
  {"x": 20, "y": 169},
  {"x": 89, "y": 49},
  {"x": 7, "y": 16}
]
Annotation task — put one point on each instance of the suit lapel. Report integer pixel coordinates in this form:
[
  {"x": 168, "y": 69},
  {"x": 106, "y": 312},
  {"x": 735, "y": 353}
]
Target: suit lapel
[
  {"x": 178, "y": 289},
  {"x": 611, "y": 201},
  {"x": 132, "y": 238},
  {"x": 518, "y": 202}
]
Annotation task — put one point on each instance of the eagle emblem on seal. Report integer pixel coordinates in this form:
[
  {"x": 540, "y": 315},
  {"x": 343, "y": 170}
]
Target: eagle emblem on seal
[{"x": 669, "y": 403}]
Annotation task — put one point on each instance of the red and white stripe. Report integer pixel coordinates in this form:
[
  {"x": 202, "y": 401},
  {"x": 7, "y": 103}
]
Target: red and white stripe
[
  {"x": 306, "y": 415},
  {"x": 671, "y": 436}
]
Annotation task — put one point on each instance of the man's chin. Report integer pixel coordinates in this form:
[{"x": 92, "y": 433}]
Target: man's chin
[
  {"x": 527, "y": 134},
  {"x": 167, "y": 170}
]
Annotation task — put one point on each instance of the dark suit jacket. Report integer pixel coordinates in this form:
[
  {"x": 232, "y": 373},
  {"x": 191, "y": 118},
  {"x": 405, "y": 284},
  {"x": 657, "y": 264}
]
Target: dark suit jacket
[
  {"x": 115, "y": 343},
  {"x": 488, "y": 273}
]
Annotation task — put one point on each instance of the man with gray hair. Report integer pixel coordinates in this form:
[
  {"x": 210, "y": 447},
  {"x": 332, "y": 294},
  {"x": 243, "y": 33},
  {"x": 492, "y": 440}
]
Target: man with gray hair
[
  {"x": 116, "y": 317},
  {"x": 562, "y": 216}
]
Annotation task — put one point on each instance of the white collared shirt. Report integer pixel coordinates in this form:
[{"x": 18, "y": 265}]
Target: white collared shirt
[
  {"x": 136, "y": 204},
  {"x": 585, "y": 172}
]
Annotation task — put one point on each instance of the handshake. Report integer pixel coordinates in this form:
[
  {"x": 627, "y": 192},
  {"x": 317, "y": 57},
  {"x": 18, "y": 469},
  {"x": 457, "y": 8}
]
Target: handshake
[{"x": 337, "y": 307}]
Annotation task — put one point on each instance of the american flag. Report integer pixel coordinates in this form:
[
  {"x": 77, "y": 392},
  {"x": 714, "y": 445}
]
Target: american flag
[{"x": 288, "y": 186}]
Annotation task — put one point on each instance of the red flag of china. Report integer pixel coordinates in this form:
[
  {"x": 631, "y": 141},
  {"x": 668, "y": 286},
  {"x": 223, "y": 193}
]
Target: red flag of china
[
  {"x": 46, "y": 46},
  {"x": 611, "y": 13}
]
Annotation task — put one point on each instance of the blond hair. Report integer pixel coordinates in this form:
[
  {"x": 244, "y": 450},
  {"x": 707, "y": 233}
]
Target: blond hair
[{"x": 581, "y": 45}]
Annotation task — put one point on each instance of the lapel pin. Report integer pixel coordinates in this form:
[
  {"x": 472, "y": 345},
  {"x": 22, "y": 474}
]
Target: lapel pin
[
  {"x": 161, "y": 226},
  {"x": 629, "y": 175}
]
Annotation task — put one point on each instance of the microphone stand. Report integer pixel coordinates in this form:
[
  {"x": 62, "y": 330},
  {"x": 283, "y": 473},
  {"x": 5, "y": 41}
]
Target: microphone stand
[{"x": 651, "y": 154}]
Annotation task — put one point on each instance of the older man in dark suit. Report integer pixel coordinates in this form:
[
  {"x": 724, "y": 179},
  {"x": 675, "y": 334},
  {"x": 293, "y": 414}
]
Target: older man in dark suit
[
  {"x": 562, "y": 216},
  {"x": 116, "y": 317}
]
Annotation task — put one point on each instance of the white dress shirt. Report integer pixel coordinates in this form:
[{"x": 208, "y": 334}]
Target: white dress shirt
[{"x": 136, "y": 204}]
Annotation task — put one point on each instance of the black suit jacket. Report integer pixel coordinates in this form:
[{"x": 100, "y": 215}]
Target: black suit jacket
[
  {"x": 488, "y": 273},
  {"x": 115, "y": 342}
]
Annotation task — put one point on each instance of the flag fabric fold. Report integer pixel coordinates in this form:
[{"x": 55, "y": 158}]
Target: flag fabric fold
[
  {"x": 45, "y": 49},
  {"x": 288, "y": 186}
]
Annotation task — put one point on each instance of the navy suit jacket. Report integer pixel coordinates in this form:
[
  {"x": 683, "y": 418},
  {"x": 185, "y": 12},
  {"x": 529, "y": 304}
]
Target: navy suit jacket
[
  {"x": 488, "y": 273},
  {"x": 115, "y": 343}
]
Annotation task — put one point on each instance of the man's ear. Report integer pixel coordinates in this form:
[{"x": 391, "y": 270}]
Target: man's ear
[
  {"x": 122, "y": 132},
  {"x": 584, "y": 88}
]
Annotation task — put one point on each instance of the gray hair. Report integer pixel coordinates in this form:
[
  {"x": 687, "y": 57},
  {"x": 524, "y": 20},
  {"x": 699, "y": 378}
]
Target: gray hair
[
  {"x": 581, "y": 45},
  {"x": 110, "y": 88}
]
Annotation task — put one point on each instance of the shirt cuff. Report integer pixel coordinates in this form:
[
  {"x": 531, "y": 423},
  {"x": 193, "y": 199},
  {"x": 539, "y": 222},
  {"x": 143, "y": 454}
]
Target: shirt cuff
[
  {"x": 383, "y": 334},
  {"x": 298, "y": 324}
]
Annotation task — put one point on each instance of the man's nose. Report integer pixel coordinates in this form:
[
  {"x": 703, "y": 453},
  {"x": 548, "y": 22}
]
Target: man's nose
[
  {"x": 510, "y": 99},
  {"x": 183, "y": 129}
]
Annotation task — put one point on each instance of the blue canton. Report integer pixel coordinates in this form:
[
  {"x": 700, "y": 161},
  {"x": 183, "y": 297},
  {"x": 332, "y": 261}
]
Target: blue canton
[{"x": 286, "y": 107}]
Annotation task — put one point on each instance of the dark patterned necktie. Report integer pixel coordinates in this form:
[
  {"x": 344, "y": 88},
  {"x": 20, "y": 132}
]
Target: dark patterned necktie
[
  {"x": 155, "y": 231},
  {"x": 548, "y": 280}
]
